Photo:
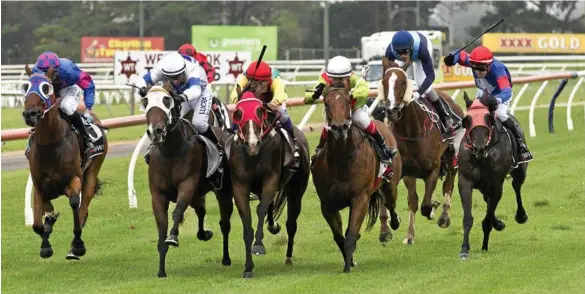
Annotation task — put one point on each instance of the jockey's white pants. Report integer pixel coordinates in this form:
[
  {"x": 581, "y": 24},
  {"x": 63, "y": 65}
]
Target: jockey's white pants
[
  {"x": 70, "y": 99},
  {"x": 502, "y": 111},
  {"x": 201, "y": 107},
  {"x": 361, "y": 117}
]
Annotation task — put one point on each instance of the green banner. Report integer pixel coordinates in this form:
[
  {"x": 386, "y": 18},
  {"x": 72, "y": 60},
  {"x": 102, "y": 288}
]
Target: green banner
[{"x": 237, "y": 38}]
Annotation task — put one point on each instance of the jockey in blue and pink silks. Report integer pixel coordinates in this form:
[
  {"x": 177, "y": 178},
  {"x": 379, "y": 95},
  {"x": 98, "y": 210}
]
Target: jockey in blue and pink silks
[
  {"x": 70, "y": 83},
  {"x": 493, "y": 77}
]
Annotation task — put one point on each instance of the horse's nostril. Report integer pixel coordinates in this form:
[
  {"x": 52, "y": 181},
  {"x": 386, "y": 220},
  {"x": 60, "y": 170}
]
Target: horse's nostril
[{"x": 158, "y": 131}]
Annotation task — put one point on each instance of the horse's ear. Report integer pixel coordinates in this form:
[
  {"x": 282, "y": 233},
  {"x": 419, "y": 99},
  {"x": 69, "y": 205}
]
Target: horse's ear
[
  {"x": 466, "y": 122},
  {"x": 261, "y": 113},
  {"x": 468, "y": 102},
  {"x": 50, "y": 73},
  {"x": 27, "y": 70}
]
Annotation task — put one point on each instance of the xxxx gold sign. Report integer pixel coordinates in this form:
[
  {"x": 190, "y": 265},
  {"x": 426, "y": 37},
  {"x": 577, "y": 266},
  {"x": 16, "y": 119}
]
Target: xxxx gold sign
[{"x": 535, "y": 43}]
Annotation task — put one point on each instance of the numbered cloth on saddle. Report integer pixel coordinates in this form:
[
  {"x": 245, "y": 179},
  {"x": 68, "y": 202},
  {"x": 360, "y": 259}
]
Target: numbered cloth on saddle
[{"x": 249, "y": 108}]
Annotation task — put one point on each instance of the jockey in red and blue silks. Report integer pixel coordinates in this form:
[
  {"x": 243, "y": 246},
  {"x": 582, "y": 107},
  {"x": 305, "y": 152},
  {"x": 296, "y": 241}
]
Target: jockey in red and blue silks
[
  {"x": 493, "y": 77},
  {"x": 70, "y": 83}
]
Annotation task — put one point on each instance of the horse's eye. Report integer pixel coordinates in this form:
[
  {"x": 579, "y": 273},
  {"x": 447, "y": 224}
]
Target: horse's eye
[
  {"x": 24, "y": 88},
  {"x": 144, "y": 102},
  {"x": 167, "y": 101}
]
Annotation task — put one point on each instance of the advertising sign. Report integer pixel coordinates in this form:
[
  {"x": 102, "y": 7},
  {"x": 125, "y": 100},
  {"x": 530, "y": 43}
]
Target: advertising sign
[
  {"x": 237, "y": 39},
  {"x": 130, "y": 64},
  {"x": 535, "y": 43},
  {"x": 456, "y": 73},
  {"x": 101, "y": 49}
]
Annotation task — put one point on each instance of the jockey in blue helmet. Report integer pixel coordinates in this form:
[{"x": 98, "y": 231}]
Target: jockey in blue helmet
[{"x": 70, "y": 83}]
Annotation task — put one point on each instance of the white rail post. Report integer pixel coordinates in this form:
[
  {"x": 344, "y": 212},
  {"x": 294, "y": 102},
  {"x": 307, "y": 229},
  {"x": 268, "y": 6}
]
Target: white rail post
[
  {"x": 571, "y": 97},
  {"x": 532, "y": 106}
]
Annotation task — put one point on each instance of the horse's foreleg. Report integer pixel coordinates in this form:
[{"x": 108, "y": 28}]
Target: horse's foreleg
[
  {"x": 333, "y": 218},
  {"x": 160, "y": 208},
  {"x": 359, "y": 208},
  {"x": 38, "y": 227},
  {"x": 273, "y": 227},
  {"x": 73, "y": 193},
  {"x": 428, "y": 207},
  {"x": 202, "y": 234},
  {"x": 518, "y": 177},
  {"x": 241, "y": 194},
  {"x": 89, "y": 183},
  {"x": 465, "y": 192},
  {"x": 268, "y": 191},
  {"x": 294, "y": 196},
  {"x": 410, "y": 184},
  {"x": 448, "y": 185},
  {"x": 490, "y": 221},
  {"x": 184, "y": 198},
  {"x": 226, "y": 208},
  {"x": 385, "y": 233}
]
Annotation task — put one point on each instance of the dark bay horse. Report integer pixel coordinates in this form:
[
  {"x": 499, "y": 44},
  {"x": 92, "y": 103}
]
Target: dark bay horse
[
  {"x": 424, "y": 154},
  {"x": 486, "y": 157},
  {"x": 178, "y": 173},
  {"x": 346, "y": 173},
  {"x": 259, "y": 158},
  {"x": 55, "y": 163}
]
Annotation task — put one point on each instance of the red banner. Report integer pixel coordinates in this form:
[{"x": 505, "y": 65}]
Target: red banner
[{"x": 102, "y": 49}]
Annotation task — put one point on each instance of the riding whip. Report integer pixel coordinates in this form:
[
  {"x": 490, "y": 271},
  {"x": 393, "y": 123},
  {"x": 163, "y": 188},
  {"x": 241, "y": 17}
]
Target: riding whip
[{"x": 489, "y": 29}]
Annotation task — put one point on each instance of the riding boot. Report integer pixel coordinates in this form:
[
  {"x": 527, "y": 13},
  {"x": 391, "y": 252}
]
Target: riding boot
[
  {"x": 387, "y": 150},
  {"x": 218, "y": 114},
  {"x": 288, "y": 126},
  {"x": 211, "y": 136},
  {"x": 523, "y": 154},
  {"x": 443, "y": 114},
  {"x": 216, "y": 177},
  {"x": 80, "y": 126}
]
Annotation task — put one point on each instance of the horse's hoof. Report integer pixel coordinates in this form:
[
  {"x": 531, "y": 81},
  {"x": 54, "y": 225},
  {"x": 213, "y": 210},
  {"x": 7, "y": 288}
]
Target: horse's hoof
[
  {"x": 288, "y": 261},
  {"x": 162, "y": 274},
  {"x": 46, "y": 252},
  {"x": 274, "y": 229},
  {"x": 203, "y": 236},
  {"x": 248, "y": 275},
  {"x": 499, "y": 225},
  {"x": 258, "y": 250},
  {"x": 353, "y": 263},
  {"x": 444, "y": 222},
  {"x": 395, "y": 223},
  {"x": 71, "y": 256},
  {"x": 346, "y": 270},
  {"x": 521, "y": 218},
  {"x": 78, "y": 251},
  {"x": 463, "y": 256},
  {"x": 427, "y": 211},
  {"x": 408, "y": 241},
  {"x": 172, "y": 241},
  {"x": 226, "y": 262},
  {"x": 385, "y": 237}
]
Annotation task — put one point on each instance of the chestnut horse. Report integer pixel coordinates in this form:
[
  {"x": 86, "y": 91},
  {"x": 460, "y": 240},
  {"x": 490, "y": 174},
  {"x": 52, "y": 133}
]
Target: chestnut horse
[
  {"x": 347, "y": 171},
  {"x": 416, "y": 127},
  {"x": 178, "y": 172},
  {"x": 55, "y": 163},
  {"x": 487, "y": 156}
]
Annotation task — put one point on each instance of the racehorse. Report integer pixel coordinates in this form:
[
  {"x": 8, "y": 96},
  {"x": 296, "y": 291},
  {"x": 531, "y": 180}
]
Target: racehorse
[
  {"x": 259, "y": 160},
  {"x": 417, "y": 130},
  {"x": 347, "y": 173},
  {"x": 180, "y": 164},
  {"x": 55, "y": 160},
  {"x": 487, "y": 156}
]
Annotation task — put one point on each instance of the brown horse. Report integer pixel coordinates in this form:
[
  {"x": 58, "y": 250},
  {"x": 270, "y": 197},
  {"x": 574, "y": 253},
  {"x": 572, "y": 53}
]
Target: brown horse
[
  {"x": 55, "y": 163},
  {"x": 259, "y": 158},
  {"x": 421, "y": 146},
  {"x": 178, "y": 173},
  {"x": 487, "y": 156},
  {"x": 346, "y": 173}
]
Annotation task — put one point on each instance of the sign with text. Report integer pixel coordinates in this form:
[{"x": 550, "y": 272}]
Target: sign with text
[
  {"x": 102, "y": 49},
  {"x": 535, "y": 43},
  {"x": 130, "y": 64},
  {"x": 237, "y": 39},
  {"x": 456, "y": 73}
]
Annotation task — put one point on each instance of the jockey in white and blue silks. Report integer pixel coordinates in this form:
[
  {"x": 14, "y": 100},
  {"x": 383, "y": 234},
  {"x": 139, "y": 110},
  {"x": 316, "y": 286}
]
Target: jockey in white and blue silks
[
  {"x": 188, "y": 80},
  {"x": 493, "y": 77},
  {"x": 417, "y": 48}
]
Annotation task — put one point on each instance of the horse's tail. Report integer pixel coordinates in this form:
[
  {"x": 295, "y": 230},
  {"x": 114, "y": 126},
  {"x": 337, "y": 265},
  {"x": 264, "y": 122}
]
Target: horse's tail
[
  {"x": 279, "y": 202},
  {"x": 98, "y": 186},
  {"x": 376, "y": 200}
]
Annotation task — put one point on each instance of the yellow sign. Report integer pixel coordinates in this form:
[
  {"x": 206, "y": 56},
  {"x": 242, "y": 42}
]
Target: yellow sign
[
  {"x": 456, "y": 73},
  {"x": 535, "y": 43}
]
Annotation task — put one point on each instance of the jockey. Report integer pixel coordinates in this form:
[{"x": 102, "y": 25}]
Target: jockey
[
  {"x": 339, "y": 69},
  {"x": 416, "y": 47},
  {"x": 69, "y": 81},
  {"x": 190, "y": 82},
  {"x": 269, "y": 88},
  {"x": 493, "y": 77},
  {"x": 188, "y": 50}
]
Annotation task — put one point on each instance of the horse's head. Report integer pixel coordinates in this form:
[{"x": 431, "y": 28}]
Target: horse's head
[
  {"x": 337, "y": 100},
  {"x": 396, "y": 90},
  {"x": 478, "y": 124},
  {"x": 39, "y": 96},
  {"x": 161, "y": 114},
  {"x": 250, "y": 115}
]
